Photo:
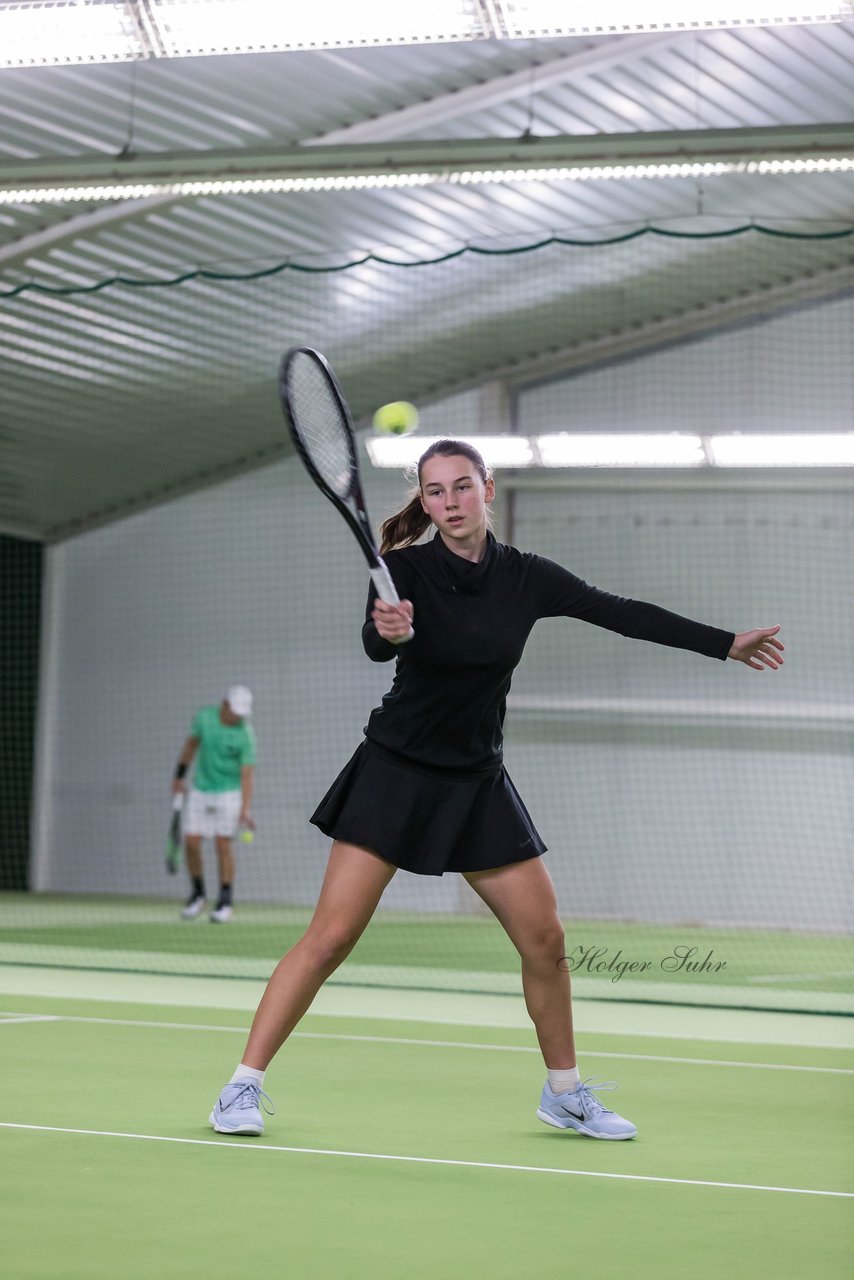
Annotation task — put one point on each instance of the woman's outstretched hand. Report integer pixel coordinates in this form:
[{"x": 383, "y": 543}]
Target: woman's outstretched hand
[{"x": 758, "y": 649}]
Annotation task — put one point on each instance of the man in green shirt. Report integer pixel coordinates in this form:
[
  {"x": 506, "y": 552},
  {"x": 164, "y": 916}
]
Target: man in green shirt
[{"x": 220, "y": 799}]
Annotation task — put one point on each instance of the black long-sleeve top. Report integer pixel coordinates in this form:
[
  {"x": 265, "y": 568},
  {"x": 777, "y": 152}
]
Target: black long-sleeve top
[{"x": 447, "y": 703}]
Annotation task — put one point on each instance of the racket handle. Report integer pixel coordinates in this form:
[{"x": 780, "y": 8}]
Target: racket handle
[
  {"x": 178, "y": 801},
  {"x": 381, "y": 579},
  {"x": 387, "y": 591}
]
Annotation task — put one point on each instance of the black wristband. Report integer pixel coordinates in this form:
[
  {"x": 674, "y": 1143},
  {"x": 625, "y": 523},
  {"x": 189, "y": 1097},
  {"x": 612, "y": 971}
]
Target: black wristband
[{"x": 180, "y": 770}]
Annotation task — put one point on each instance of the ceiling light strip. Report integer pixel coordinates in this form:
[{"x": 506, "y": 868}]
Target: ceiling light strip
[
  {"x": 73, "y": 32},
  {"x": 91, "y": 193},
  {"x": 543, "y": 19},
  {"x": 633, "y": 450}
]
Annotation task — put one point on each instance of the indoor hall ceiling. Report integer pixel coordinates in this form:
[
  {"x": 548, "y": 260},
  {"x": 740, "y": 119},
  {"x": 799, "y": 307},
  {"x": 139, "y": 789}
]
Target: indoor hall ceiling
[{"x": 114, "y": 399}]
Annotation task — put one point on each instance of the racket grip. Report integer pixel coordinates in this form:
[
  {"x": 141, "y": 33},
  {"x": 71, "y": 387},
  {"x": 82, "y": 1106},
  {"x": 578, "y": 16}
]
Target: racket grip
[
  {"x": 178, "y": 801},
  {"x": 387, "y": 591},
  {"x": 381, "y": 579}
]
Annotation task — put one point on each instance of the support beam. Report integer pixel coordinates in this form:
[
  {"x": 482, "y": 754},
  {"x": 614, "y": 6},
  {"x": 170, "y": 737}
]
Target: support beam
[
  {"x": 439, "y": 157},
  {"x": 574, "y": 68},
  {"x": 494, "y": 409},
  {"x": 77, "y": 227}
]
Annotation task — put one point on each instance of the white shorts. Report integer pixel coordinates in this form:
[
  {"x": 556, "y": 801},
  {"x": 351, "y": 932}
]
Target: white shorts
[{"x": 211, "y": 813}]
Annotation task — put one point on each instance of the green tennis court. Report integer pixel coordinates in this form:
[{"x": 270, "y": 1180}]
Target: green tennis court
[
  {"x": 689, "y": 965},
  {"x": 405, "y": 1145}
]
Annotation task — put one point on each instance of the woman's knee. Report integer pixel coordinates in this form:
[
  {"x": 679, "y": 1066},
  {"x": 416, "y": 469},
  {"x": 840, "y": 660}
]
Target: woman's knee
[
  {"x": 545, "y": 944},
  {"x": 328, "y": 947}
]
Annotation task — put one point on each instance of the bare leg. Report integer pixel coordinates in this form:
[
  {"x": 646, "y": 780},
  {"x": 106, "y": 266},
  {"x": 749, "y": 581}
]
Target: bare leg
[
  {"x": 193, "y": 851},
  {"x": 353, "y": 885},
  {"x": 522, "y": 897},
  {"x": 225, "y": 857}
]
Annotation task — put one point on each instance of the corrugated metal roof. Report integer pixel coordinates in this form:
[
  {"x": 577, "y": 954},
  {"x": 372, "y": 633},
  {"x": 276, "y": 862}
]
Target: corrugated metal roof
[
  {"x": 719, "y": 79},
  {"x": 111, "y": 398}
]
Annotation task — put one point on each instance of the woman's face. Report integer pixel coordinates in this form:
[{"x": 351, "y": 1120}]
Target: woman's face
[{"x": 455, "y": 497}]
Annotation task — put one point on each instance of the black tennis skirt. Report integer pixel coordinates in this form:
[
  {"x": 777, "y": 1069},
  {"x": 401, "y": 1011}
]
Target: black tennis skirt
[{"x": 424, "y": 820}]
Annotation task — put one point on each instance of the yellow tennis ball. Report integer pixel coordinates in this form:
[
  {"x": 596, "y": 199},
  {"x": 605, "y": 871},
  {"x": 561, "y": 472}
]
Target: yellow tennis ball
[
  {"x": 396, "y": 419},
  {"x": 247, "y": 836}
]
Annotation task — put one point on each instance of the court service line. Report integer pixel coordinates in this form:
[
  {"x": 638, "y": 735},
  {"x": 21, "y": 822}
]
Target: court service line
[
  {"x": 460, "y": 1164},
  {"x": 27, "y": 1017},
  {"x": 592, "y": 1053},
  {"x": 800, "y": 977},
  {"x": 435, "y": 1044}
]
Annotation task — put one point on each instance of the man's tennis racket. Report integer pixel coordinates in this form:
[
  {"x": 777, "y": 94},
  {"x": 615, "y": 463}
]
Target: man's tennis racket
[
  {"x": 322, "y": 430},
  {"x": 173, "y": 840}
]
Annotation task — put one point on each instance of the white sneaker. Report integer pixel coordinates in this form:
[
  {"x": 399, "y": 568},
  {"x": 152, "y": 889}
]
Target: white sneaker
[
  {"x": 222, "y": 915},
  {"x": 238, "y": 1109},
  {"x": 195, "y": 906},
  {"x": 581, "y": 1110}
]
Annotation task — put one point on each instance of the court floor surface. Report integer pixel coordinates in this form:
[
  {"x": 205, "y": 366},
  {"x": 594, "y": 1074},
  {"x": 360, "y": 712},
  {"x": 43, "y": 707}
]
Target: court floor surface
[{"x": 405, "y": 1141}]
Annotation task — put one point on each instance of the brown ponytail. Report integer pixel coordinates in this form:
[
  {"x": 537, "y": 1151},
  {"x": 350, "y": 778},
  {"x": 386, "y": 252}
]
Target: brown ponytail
[
  {"x": 405, "y": 527},
  {"x": 408, "y": 524}
]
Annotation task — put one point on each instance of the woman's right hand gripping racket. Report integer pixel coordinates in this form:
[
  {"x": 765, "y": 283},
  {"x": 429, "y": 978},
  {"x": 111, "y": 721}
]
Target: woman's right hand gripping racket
[{"x": 322, "y": 430}]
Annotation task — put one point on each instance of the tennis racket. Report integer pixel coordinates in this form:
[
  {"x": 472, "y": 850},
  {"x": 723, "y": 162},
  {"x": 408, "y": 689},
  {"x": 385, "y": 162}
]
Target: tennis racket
[
  {"x": 173, "y": 840},
  {"x": 322, "y": 430}
]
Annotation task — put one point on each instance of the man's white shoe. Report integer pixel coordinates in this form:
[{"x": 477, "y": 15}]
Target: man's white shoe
[
  {"x": 195, "y": 906},
  {"x": 222, "y": 915}
]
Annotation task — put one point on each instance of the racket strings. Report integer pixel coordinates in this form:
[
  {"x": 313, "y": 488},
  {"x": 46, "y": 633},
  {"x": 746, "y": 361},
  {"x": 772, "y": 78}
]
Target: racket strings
[{"x": 320, "y": 422}]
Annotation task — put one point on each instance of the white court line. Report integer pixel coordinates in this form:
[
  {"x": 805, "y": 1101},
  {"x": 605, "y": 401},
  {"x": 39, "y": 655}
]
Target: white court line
[
  {"x": 516, "y": 1048},
  {"x": 433, "y": 1044},
  {"x": 27, "y": 1017},
  {"x": 800, "y": 977},
  {"x": 461, "y": 1164}
]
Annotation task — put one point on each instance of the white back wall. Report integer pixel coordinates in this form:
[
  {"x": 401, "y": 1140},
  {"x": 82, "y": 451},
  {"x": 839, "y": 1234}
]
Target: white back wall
[{"x": 792, "y": 373}]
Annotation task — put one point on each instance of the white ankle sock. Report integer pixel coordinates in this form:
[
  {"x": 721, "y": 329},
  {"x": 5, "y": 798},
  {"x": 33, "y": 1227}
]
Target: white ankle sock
[
  {"x": 564, "y": 1081},
  {"x": 243, "y": 1073}
]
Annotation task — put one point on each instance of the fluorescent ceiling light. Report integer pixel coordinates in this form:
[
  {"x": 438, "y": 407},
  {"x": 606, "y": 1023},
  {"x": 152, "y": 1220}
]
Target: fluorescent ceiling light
[
  {"x": 583, "y": 450},
  {"x": 404, "y": 451},
  {"x": 92, "y": 193},
  {"x": 193, "y": 27},
  {"x": 570, "y": 449},
  {"x": 46, "y": 35},
  {"x": 526, "y": 19},
  {"x": 819, "y": 449},
  {"x": 48, "y": 32}
]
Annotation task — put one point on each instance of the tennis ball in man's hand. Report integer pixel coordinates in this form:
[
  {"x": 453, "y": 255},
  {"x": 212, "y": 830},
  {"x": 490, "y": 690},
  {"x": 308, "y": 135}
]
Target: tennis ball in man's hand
[
  {"x": 396, "y": 419},
  {"x": 247, "y": 836}
]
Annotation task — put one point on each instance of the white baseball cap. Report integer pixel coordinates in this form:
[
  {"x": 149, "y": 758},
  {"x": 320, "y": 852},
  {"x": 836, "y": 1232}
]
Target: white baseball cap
[{"x": 239, "y": 698}]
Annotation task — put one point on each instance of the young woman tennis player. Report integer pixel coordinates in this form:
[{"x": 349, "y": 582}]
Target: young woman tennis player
[{"x": 427, "y": 791}]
